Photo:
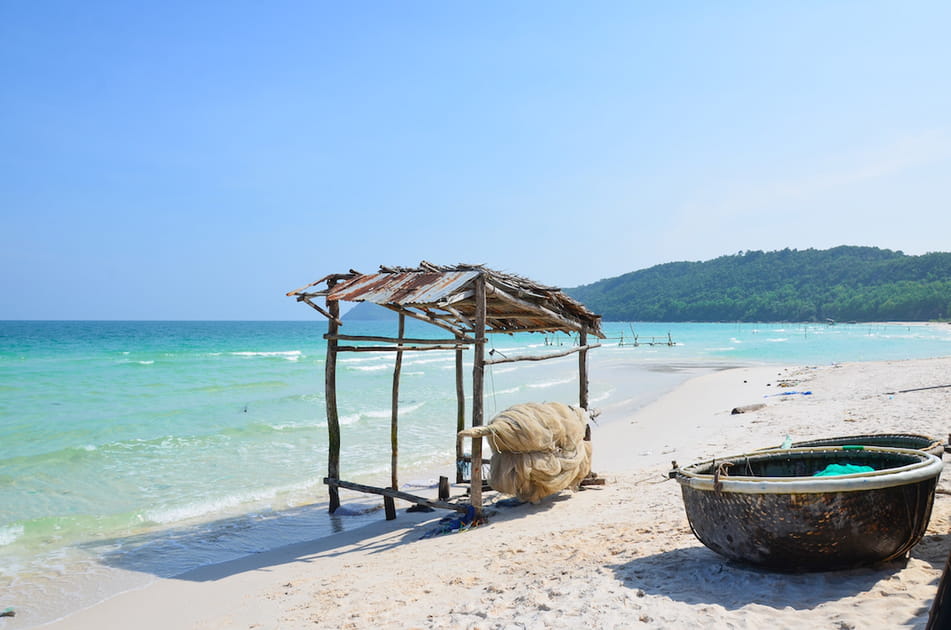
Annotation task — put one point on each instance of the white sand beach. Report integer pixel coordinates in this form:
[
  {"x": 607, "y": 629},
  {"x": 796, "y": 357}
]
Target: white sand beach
[{"x": 615, "y": 556}]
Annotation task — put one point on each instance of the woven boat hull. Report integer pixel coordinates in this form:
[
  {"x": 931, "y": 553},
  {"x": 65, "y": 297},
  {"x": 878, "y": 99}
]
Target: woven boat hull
[
  {"x": 769, "y": 511},
  {"x": 890, "y": 440}
]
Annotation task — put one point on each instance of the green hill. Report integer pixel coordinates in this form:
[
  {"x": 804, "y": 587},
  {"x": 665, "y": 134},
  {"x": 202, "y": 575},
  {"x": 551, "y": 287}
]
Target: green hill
[{"x": 843, "y": 283}]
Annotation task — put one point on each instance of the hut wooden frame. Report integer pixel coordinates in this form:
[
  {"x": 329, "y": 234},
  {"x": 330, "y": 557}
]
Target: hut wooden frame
[{"x": 468, "y": 302}]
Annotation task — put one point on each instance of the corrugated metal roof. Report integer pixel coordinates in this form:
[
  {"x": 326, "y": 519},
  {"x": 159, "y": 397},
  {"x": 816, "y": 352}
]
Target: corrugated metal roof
[{"x": 402, "y": 288}]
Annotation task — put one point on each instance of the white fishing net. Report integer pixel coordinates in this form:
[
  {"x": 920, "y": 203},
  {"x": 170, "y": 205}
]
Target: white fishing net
[{"x": 537, "y": 449}]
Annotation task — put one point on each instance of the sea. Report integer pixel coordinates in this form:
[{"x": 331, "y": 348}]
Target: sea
[{"x": 144, "y": 449}]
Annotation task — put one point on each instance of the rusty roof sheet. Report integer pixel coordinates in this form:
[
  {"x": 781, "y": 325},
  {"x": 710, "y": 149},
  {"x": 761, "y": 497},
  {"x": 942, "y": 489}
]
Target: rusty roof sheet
[
  {"x": 516, "y": 304},
  {"x": 413, "y": 287}
]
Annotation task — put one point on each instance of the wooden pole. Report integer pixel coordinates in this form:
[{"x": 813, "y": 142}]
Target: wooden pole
[
  {"x": 404, "y": 496},
  {"x": 583, "y": 369},
  {"x": 460, "y": 415},
  {"x": 542, "y": 357},
  {"x": 443, "y": 488},
  {"x": 394, "y": 434},
  {"x": 478, "y": 386},
  {"x": 330, "y": 395}
]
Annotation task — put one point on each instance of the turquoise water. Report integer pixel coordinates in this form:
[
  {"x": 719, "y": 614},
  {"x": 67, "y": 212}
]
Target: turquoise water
[{"x": 160, "y": 446}]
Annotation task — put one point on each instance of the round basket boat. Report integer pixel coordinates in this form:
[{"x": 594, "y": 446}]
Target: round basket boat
[
  {"x": 888, "y": 440},
  {"x": 769, "y": 509}
]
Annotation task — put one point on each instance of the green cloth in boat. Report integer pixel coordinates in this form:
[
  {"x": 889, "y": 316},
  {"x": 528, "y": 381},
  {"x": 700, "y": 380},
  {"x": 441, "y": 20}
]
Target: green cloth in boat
[{"x": 842, "y": 469}]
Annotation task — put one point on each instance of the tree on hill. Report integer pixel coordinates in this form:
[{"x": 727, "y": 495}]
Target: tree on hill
[{"x": 844, "y": 283}]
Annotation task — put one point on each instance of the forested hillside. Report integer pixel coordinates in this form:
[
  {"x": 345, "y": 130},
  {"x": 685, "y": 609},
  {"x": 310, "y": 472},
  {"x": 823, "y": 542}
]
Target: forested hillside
[{"x": 844, "y": 284}]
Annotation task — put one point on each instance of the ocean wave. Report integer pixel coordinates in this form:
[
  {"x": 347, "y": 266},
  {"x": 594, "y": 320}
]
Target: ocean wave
[
  {"x": 425, "y": 361},
  {"x": 363, "y": 359},
  {"x": 778, "y": 340},
  {"x": 289, "y": 355},
  {"x": 602, "y": 397},
  {"x": 297, "y": 426},
  {"x": 368, "y": 368},
  {"x": 547, "y": 384},
  {"x": 377, "y": 414},
  {"x": 211, "y": 389},
  {"x": 10, "y": 533},
  {"x": 510, "y": 390},
  {"x": 503, "y": 370},
  {"x": 176, "y": 514}
]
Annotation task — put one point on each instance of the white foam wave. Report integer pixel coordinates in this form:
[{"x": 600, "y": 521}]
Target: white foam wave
[
  {"x": 290, "y": 355},
  {"x": 9, "y": 534},
  {"x": 778, "y": 340},
  {"x": 369, "y": 368},
  {"x": 376, "y": 414},
  {"x": 511, "y": 390},
  {"x": 349, "y": 418},
  {"x": 204, "y": 508},
  {"x": 504, "y": 370},
  {"x": 360, "y": 360},
  {"x": 145, "y": 362},
  {"x": 425, "y": 361},
  {"x": 547, "y": 384}
]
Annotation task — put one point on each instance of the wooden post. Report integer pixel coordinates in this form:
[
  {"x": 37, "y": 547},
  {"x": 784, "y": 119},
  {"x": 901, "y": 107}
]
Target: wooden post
[
  {"x": 583, "y": 369},
  {"x": 460, "y": 415},
  {"x": 478, "y": 385},
  {"x": 394, "y": 414},
  {"x": 443, "y": 488},
  {"x": 330, "y": 396}
]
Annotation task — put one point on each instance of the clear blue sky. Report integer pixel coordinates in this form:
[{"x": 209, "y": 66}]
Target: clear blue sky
[{"x": 196, "y": 160}]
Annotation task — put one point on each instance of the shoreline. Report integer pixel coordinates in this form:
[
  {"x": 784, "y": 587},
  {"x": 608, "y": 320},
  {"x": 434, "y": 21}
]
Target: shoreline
[
  {"x": 81, "y": 578},
  {"x": 606, "y": 556}
]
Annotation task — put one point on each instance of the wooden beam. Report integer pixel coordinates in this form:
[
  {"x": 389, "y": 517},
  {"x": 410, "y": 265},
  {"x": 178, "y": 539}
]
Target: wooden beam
[
  {"x": 459, "y": 316},
  {"x": 496, "y": 292},
  {"x": 542, "y": 357},
  {"x": 478, "y": 387},
  {"x": 396, "y": 494},
  {"x": 420, "y": 316},
  {"x": 456, "y": 297},
  {"x": 330, "y": 396},
  {"x": 394, "y": 433},
  {"x": 460, "y": 414},
  {"x": 519, "y": 329},
  {"x": 394, "y": 348},
  {"x": 322, "y": 311},
  {"x": 583, "y": 368},
  {"x": 395, "y": 339},
  {"x": 333, "y": 277}
]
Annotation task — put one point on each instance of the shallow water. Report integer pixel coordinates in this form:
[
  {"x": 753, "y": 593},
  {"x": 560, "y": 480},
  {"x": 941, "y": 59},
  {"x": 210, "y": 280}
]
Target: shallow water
[{"x": 141, "y": 449}]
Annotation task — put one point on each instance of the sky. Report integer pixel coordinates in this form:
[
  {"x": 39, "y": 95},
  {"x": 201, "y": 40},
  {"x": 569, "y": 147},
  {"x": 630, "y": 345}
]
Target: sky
[{"x": 198, "y": 160}]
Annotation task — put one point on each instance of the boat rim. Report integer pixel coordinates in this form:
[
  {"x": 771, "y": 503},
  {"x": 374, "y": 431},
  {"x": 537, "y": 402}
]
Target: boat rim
[{"x": 927, "y": 467}]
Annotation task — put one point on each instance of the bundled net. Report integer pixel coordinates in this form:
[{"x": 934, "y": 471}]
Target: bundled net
[{"x": 537, "y": 449}]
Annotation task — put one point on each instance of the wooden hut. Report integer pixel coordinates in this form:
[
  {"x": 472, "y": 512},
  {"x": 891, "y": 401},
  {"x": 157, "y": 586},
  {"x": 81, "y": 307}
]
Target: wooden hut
[{"x": 468, "y": 302}]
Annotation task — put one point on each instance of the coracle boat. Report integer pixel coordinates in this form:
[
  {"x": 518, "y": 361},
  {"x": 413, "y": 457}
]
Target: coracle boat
[
  {"x": 888, "y": 440},
  {"x": 769, "y": 509}
]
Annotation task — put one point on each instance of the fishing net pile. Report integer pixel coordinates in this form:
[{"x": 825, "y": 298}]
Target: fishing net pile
[{"x": 537, "y": 449}]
